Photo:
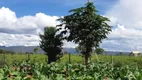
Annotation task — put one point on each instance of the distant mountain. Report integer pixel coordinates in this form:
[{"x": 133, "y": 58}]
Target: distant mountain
[
  {"x": 20, "y": 48},
  {"x": 31, "y": 48},
  {"x": 116, "y": 52}
]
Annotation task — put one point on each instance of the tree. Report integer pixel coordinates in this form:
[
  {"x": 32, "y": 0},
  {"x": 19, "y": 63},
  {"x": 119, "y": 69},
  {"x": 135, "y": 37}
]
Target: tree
[
  {"x": 100, "y": 51},
  {"x": 85, "y": 27},
  {"x": 51, "y": 43},
  {"x": 35, "y": 50}
]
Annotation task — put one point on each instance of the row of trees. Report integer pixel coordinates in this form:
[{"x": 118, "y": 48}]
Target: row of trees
[{"x": 82, "y": 26}]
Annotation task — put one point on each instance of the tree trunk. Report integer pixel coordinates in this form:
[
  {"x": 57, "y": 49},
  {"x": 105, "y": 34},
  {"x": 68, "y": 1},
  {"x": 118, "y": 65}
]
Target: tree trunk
[
  {"x": 51, "y": 58},
  {"x": 86, "y": 56}
]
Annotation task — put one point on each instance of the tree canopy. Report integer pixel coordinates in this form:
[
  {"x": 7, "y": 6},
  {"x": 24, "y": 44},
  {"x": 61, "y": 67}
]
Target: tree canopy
[
  {"x": 85, "y": 27},
  {"x": 51, "y": 43},
  {"x": 100, "y": 51}
]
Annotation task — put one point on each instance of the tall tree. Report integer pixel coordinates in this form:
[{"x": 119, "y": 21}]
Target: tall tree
[
  {"x": 51, "y": 43},
  {"x": 85, "y": 27}
]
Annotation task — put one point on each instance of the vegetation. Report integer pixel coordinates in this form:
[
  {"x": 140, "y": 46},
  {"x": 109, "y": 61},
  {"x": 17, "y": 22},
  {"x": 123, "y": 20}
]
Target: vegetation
[
  {"x": 51, "y": 44},
  {"x": 85, "y": 27},
  {"x": 56, "y": 71},
  {"x": 41, "y": 58},
  {"x": 100, "y": 51},
  {"x": 118, "y": 67},
  {"x": 35, "y": 50},
  {"x": 6, "y": 51}
]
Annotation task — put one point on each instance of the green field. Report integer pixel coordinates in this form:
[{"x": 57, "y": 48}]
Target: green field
[
  {"x": 41, "y": 58},
  {"x": 101, "y": 67}
]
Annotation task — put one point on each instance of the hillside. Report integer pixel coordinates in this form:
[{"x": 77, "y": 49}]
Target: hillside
[{"x": 31, "y": 48}]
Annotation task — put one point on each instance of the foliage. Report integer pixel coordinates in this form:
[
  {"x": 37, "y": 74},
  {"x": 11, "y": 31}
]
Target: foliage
[
  {"x": 100, "y": 51},
  {"x": 56, "y": 71},
  {"x": 85, "y": 27},
  {"x": 35, "y": 50},
  {"x": 6, "y": 51},
  {"x": 51, "y": 44}
]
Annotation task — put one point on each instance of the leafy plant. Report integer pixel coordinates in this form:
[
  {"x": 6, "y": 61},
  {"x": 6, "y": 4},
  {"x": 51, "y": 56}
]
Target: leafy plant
[
  {"x": 51, "y": 44},
  {"x": 56, "y": 71}
]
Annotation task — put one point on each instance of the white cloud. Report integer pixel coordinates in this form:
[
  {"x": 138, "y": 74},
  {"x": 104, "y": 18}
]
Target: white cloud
[
  {"x": 24, "y": 30},
  {"x": 9, "y": 23},
  {"x": 127, "y": 12},
  {"x": 69, "y": 44},
  {"x": 128, "y": 35},
  {"x": 125, "y": 15},
  {"x": 18, "y": 39},
  {"x": 123, "y": 39}
]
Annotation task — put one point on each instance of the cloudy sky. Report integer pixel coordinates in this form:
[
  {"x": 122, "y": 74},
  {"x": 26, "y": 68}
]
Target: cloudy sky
[{"x": 21, "y": 21}]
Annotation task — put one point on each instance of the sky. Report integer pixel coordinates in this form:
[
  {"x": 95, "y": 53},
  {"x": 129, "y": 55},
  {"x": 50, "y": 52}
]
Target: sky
[{"x": 21, "y": 21}]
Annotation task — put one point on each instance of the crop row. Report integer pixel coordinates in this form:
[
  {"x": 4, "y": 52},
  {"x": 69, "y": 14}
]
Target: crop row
[{"x": 56, "y": 71}]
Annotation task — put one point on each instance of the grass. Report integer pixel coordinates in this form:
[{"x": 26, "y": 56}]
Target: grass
[
  {"x": 11, "y": 58},
  {"x": 41, "y": 58}
]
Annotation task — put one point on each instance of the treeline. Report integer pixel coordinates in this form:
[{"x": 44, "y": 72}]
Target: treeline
[{"x": 6, "y": 51}]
